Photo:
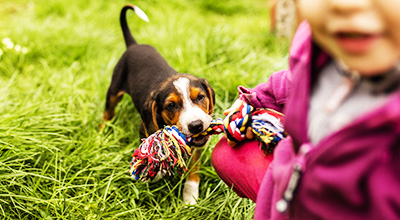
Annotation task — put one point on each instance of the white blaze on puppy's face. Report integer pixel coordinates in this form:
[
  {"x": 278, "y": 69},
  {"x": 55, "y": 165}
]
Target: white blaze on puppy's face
[{"x": 190, "y": 112}]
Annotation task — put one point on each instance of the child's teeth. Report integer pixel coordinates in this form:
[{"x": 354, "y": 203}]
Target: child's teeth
[{"x": 354, "y": 35}]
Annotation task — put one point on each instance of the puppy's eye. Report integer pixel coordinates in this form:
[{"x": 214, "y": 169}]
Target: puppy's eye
[
  {"x": 200, "y": 97},
  {"x": 170, "y": 106}
]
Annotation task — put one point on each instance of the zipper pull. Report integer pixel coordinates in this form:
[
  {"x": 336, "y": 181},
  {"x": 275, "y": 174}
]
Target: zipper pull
[
  {"x": 283, "y": 204},
  {"x": 298, "y": 168}
]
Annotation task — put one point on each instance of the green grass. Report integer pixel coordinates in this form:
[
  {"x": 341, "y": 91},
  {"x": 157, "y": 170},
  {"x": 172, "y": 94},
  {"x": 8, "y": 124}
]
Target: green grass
[{"x": 54, "y": 163}]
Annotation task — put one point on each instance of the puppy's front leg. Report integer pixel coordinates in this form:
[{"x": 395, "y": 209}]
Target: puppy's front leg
[{"x": 191, "y": 188}]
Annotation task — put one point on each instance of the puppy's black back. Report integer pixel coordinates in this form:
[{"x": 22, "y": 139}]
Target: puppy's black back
[{"x": 140, "y": 71}]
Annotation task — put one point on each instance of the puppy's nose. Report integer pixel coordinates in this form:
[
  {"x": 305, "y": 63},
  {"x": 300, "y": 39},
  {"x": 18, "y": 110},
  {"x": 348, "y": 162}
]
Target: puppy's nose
[{"x": 196, "y": 127}]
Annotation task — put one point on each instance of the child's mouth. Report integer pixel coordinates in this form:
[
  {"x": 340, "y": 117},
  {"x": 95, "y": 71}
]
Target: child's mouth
[
  {"x": 352, "y": 35},
  {"x": 355, "y": 42}
]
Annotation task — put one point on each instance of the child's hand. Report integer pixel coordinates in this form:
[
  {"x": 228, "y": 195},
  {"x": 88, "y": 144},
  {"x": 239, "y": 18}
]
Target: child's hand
[{"x": 235, "y": 107}]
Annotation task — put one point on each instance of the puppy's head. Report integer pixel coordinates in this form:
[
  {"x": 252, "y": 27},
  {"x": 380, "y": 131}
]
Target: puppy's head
[{"x": 185, "y": 101}]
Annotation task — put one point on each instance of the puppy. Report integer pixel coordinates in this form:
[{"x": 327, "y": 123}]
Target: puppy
[{"x": 162, "y": 97}]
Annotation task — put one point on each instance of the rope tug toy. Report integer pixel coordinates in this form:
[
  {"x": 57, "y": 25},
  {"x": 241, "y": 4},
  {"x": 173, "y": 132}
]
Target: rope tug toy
[{"x": 168, "y": 148}]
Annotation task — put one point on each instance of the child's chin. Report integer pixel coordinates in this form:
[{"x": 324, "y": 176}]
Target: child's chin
[{"x": 371, "y": 65}]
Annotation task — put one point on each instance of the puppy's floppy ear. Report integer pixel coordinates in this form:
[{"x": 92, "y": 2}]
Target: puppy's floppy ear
[
  {"x": 154, "y": 115},
  {"x": 210, "y": 95},
  {"x": 149, "y": 115}
]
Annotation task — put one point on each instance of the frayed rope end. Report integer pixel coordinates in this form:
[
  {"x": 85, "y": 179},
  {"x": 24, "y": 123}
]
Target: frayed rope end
[{"x": 163, "y": 151}]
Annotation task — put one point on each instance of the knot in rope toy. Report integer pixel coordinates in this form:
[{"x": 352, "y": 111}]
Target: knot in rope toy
[
  {"x": 266, "y": 124},
  {"x": 168, "y": 148}
]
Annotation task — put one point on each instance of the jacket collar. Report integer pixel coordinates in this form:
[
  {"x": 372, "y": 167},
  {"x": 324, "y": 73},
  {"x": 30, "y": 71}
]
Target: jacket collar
[{"x": 305, "y": 60}]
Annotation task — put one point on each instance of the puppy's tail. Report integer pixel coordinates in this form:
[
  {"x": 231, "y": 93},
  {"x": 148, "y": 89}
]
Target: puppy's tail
[{"x": 129, "y": 40}]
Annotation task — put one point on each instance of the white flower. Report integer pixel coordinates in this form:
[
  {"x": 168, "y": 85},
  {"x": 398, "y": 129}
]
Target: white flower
[
  {"x": 31, "y": 5},
  {"x": 17, "y": 48},
  {"x": 24, "y": 50},
  {"x": 8, "y": 43}
]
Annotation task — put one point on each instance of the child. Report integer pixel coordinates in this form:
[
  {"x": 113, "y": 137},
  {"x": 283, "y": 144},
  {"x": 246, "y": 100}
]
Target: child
[{"x": 341, "y": 98}]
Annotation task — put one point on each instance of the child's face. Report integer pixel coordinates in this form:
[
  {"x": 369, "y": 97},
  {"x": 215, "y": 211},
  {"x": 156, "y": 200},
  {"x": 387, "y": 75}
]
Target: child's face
[{"x": 364, "y": 34}]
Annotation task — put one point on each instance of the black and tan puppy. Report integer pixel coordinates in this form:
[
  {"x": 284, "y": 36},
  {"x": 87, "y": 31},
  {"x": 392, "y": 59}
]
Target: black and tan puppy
[{"x": 162, "y": 97}]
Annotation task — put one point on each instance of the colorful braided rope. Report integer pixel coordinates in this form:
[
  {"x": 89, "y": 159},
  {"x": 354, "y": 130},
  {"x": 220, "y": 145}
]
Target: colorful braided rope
[
  {"x": 167, "y": 149},
  {"x": 266, "y": 125},
  {"x": 163, "y": 151}
]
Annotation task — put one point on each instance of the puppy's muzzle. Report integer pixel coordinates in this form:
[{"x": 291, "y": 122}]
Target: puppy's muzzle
[{"x": 196, "y": 127}]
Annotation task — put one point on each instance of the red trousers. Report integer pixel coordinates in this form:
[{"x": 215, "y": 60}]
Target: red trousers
[{"x": 241, "y": 167}]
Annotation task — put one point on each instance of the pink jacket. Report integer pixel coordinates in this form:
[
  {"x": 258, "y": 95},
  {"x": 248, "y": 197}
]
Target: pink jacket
[{"x": 353, "y": 173}]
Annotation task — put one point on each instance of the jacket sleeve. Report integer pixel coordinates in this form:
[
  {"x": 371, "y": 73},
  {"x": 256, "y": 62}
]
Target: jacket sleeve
[{"x": 272, "y": 94}]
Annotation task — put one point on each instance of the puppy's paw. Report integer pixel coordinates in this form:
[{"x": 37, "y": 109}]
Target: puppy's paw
[
  {"x": 190, "y": 192},
  {"x": 160, "y": 175}
]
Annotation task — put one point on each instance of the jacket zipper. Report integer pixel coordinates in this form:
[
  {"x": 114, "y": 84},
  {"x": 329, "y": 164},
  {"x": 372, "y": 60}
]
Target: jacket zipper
[{"x": 298, "y": 168}]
